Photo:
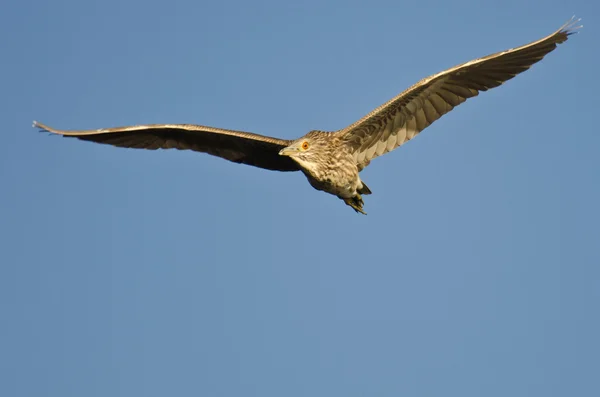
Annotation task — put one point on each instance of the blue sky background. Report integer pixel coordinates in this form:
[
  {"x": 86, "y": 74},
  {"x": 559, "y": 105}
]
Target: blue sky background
[{"x": 139, "y": 273}]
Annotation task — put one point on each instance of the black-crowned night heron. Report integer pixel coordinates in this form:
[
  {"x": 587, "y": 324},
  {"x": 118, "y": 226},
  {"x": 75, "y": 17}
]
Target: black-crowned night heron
[{"x": 332, "y": 160}]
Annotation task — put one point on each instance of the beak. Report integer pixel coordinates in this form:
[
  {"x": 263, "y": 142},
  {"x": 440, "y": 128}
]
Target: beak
[{"x": 288, "y": 151}]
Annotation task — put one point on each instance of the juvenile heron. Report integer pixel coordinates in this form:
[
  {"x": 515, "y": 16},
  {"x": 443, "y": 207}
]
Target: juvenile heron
[{"x": 332, "y": 161}]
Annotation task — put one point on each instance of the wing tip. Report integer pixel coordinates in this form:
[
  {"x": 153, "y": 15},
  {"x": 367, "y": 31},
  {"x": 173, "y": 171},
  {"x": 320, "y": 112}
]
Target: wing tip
[
  {"x": 44, "y": 128},
  {"x": 41, "y": 127},
  {"x": 571, "y": 27}
]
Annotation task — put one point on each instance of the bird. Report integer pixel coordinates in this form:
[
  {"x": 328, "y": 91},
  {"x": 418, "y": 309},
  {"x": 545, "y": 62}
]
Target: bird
[{"x": 333, "y": 160}]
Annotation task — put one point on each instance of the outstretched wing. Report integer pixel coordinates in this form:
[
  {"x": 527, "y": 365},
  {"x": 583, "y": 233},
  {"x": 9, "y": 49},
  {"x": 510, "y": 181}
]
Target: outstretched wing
[
  {"x": 404, "y": 116},
  {"x": 237, "y": 146}
]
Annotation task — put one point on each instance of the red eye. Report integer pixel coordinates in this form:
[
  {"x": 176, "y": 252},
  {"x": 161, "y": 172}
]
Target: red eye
[{"x": 305, "y": 145}]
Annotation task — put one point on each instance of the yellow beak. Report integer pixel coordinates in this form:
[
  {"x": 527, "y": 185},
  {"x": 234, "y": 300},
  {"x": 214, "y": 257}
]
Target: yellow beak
[{"x": 288, "y": 151}]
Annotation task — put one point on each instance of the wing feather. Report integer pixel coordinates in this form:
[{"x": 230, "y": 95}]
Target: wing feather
[
  {"x": 403, "y": 117},
  {"x": 237, "y": 146}
]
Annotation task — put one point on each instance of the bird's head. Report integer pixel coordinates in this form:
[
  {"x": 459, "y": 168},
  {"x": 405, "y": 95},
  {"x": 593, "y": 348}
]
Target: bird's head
[{"x": 308, "y": 150}]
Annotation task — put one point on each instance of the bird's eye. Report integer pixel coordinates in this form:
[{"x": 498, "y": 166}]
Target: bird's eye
[{"x": 304, "y": 145}]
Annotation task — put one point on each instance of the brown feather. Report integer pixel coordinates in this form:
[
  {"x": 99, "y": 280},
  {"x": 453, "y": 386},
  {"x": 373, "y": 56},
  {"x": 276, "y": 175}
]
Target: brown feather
[
  {"x": 237, "y": 146},
  {"x": 400, "y": 119}
]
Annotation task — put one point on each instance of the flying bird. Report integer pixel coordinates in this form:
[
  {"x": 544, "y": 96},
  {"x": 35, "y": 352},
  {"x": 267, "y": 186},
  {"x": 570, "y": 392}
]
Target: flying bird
[{"x": 332, "y": 161}]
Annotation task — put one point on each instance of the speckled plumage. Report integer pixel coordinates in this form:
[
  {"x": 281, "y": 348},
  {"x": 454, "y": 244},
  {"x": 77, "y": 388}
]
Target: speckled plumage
[
  {"x": 332, "y": 161},
  {"x": 329, "y": 164}
]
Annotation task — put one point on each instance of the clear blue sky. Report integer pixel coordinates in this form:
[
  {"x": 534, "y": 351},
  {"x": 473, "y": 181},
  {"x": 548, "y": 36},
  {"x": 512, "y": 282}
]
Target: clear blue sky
[{"x": 140, "y": 273}]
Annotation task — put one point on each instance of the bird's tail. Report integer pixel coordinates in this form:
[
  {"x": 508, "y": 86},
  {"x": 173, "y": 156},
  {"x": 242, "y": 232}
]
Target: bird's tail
[{"x": 364, "y": 189}]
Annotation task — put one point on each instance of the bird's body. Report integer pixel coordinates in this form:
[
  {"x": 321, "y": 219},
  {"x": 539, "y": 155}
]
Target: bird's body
[
  {"x": 336, "y": 174},
  {"x": 329, "y": 166},
  {"x": 332, "y": 161}
]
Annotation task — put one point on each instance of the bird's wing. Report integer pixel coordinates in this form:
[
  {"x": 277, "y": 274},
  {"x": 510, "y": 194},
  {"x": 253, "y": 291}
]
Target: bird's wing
[
  {"x": 237, "y": 146},
  {"x": 404, "y": 116}
]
